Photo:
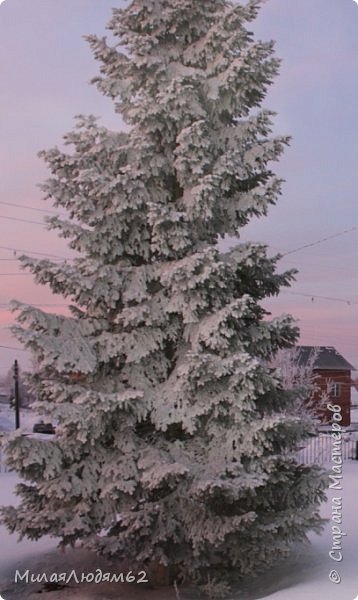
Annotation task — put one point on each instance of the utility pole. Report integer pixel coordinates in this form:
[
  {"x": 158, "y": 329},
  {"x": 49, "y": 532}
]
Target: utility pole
[{"x": 17, "y": 399}]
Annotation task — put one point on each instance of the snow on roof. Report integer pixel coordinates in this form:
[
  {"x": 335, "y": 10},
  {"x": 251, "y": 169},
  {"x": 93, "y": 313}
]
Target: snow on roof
[{"x": 327, "y": 358}]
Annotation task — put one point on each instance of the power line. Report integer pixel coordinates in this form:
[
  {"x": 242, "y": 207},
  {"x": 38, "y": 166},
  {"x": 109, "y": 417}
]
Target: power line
[
  {"x": 21, "y": 220},
  {"x": 35, "y": 304},
  {"x": 13, "y": 348},
  {"x": 43, "y": 210},
  {"x": 47, "y": 254},
  {"x": 320, "y": 241},
  {"x": 314, "y": 296}
]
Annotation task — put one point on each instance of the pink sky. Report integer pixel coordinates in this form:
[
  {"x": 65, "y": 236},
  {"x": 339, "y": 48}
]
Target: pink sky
[{"x": 45, "y": 66}]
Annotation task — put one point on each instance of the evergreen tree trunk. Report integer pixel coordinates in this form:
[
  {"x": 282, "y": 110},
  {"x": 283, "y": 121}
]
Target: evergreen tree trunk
[{"x": 175, "y": 441}]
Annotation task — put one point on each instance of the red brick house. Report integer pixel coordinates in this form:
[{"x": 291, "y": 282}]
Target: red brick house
[{"x": 332, "y": 377}]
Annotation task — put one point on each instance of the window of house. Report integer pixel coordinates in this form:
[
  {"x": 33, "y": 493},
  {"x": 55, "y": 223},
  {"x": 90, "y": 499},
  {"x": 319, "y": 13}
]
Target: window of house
[{"x": 336, "y": 390}]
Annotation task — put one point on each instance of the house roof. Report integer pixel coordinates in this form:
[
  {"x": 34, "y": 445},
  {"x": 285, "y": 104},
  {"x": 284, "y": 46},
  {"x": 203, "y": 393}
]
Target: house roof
[{"x": 327, "y": 358}]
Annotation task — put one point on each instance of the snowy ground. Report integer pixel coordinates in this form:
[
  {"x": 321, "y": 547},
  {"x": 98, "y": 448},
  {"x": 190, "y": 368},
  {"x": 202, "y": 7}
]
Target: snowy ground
[{"x": 304, "y": 577}]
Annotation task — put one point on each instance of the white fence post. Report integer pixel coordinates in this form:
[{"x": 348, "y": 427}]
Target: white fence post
[{"x": 3, "y": 466}]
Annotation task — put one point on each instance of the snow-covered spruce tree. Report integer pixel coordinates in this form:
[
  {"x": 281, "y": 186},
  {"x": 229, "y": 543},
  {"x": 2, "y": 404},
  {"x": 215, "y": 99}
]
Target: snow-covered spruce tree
[{"x": 175, "y": 442}]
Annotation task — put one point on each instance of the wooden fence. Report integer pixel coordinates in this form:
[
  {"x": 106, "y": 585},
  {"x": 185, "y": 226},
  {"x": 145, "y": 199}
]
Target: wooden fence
[{"x": 321, "y": 448}]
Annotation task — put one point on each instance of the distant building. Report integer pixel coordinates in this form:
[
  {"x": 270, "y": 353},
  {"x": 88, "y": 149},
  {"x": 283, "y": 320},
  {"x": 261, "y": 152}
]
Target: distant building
[{"x": 332, "y": 377}]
